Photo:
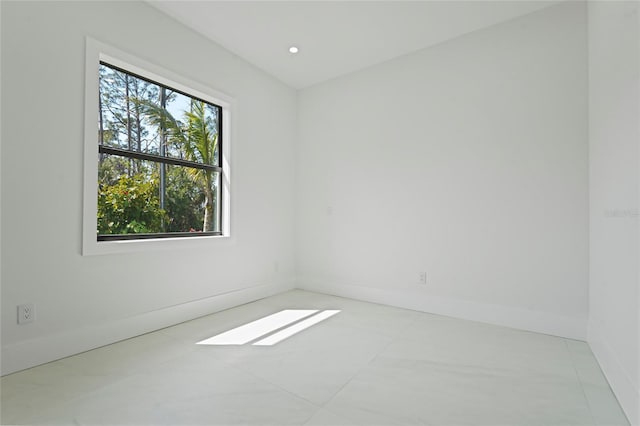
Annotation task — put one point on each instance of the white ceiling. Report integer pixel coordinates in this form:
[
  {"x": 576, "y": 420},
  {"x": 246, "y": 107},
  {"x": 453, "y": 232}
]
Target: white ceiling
[{"x": 335, "y": 37}]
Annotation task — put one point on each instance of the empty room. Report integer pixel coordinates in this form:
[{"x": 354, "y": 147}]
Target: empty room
[{"x": 320, "y": 212}]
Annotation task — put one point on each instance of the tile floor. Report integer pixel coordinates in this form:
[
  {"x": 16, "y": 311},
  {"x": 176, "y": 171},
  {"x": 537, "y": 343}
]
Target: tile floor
[{"x": 368, "y": 365}]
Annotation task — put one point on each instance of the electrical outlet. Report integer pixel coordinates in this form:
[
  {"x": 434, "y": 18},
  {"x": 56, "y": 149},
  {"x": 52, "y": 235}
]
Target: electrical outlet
[
  {"x": 26, "y": 313},
  {"x": 423, "y": 278}
]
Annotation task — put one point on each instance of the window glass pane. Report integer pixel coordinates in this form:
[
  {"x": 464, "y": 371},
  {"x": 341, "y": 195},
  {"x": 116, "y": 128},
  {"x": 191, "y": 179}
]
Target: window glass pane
[
  {"x": 123, "y": 121},
  {"x": 138, "y": 196},
  {"x": 139, "y": 115},
  {"x": 191, "y": 199}
]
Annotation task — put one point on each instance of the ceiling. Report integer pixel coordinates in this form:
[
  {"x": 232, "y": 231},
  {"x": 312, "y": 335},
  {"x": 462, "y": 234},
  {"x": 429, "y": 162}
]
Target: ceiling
[{"x": 335, "y": 37}]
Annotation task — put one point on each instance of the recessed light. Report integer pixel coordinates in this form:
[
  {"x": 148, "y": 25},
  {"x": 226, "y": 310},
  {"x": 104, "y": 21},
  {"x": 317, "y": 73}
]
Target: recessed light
[{"x": 293, "y": 49}]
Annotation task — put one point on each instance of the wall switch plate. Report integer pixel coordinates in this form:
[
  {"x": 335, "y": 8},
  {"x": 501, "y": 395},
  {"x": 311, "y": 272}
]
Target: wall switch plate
[
  {"x": 26, "y": 313},
  {"x": 423, "y": 278}
]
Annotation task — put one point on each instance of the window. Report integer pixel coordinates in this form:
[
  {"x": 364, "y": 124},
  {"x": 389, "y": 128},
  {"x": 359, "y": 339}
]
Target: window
[
  {"x": 158, "y": 167},
  {"x": 156, "y": 160}
]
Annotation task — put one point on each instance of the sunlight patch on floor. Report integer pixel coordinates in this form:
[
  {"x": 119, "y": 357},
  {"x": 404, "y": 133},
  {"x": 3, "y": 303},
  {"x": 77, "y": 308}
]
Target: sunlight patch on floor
[
  {"x": 277, "y": 327},
  {"x": 294, "y": 329}
]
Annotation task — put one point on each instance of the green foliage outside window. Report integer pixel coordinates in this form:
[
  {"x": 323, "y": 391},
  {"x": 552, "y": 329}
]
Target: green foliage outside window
[{"x": 131, "y": 205}]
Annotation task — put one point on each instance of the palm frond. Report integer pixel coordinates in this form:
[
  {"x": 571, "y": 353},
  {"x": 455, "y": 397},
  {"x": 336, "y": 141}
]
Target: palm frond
[{"x": 162, "y": 119}]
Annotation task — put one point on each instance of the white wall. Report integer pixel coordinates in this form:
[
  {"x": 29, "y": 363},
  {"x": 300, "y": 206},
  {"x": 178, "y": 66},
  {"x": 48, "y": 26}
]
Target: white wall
[
  {"x": 467, "y": 160},
  {"x": 83, "y": 302},
  {"x": 614, "y": 137}
]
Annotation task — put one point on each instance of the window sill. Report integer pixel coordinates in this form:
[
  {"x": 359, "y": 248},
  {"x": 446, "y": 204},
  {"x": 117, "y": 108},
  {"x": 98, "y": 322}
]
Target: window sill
[{"x": 91, "y": 248}]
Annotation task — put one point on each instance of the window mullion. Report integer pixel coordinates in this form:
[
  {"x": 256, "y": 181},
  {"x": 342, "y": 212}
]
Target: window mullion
[{"x": 103, "y": 149}]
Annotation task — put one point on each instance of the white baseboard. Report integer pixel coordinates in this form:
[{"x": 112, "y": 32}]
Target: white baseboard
[
  {"x": 539, "y": 322},
  {"x": 26, "y": 354},
  {"x": 619, "y": 378},
  {"x": 29, "y": 353}
]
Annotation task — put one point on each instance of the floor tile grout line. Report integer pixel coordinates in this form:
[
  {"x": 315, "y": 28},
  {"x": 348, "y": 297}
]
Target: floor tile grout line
[
  {"x": 319, "y": 407},
  {"x": 575, "y": 369},
  {"x": 252, "y": 374},
  {"x": 116, "y": 379},
  {"x": 288, "y": 392},
  {"x": 323, "y": 405},
  {"x": 107, "y": 379},
  {"x": 606, "y": 383},
  {"x": 394, "y": 339},
  {"x": 375, "y": 356}
]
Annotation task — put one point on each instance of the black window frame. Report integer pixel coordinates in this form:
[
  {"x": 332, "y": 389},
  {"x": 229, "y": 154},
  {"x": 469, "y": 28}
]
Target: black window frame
[{"x": 109, "y": 150}]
